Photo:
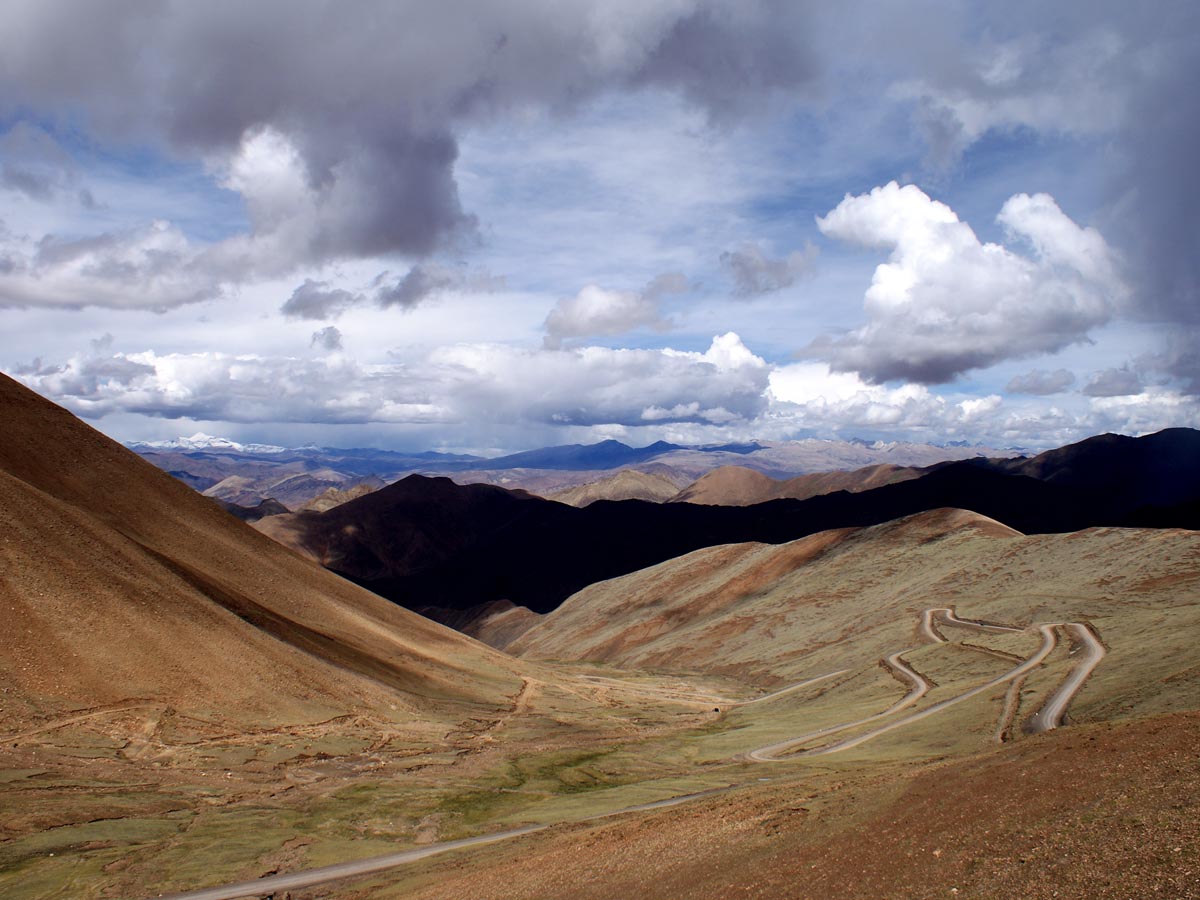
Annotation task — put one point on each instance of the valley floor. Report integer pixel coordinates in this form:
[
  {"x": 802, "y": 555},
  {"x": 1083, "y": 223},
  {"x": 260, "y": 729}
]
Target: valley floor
[{"x": 935, "y": 786}]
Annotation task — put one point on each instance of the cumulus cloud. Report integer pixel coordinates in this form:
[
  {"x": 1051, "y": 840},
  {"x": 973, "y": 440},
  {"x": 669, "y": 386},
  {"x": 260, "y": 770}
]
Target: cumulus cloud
[
  {"x": 475, "y": 383},
  {"x": 1100, "y": 71},
  {"x": 945, "y": 303},
  {"x": 600, "y": 386},
  {"x": 724, "y": 393},
  {"x": 596, "y": 312},
  {"x": 317, "y": 300},
  {"x": 756, "y": 273},
  {"x": 328, "y": 338},
  {"x": 810, "y": 397},
  {"x": 88, "y": 376},
  {"x": 1121, "y": 382},
  {"x": 146, "y": 268},
  {"x": 1040, "y": 383},
  {"x": 1143, "y": 412}
]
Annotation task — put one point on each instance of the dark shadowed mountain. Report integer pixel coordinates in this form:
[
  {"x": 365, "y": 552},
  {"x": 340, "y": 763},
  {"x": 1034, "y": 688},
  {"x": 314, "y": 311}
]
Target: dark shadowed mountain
[
  {"x": 1160, "y": 469},
  {"x": 430, "y": 542},
  {"x": 268, "y": 507}
]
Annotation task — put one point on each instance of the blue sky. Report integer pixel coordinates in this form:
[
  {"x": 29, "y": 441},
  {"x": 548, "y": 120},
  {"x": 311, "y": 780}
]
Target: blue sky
[{"x": 496, "y": 226}]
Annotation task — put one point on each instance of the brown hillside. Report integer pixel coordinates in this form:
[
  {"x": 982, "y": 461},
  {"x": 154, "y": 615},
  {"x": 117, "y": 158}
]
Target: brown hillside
[
  {"x": 118, "y": 582},
  {"x": 740, "y": 486},
  {"x": 848, "y": 598},
  {"x": 728, "y": 486},
  {"x": 628, "y": 484},
  {"x": 332, "y": 497}
]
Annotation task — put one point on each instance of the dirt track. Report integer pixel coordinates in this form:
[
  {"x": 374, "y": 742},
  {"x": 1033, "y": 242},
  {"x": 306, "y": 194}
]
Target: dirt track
[{"x": 1049, "y": 716}]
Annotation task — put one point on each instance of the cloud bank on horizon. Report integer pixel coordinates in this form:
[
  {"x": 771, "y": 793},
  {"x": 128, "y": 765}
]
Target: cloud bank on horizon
[{"x": 532, "y": 222}]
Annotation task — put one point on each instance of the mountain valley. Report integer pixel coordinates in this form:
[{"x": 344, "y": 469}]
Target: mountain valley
[{"x": 189, "y": 704}]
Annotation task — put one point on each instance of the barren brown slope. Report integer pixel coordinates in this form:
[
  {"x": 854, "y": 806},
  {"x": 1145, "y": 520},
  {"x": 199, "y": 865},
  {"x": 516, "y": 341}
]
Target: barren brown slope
[
  {"x": 628, "y": 484},
  {"x": 740, "y": 486},
  {"x": 119, "y": 582},
  {"x": 729, "y": 486},
  {"x": 332, "y": 497},
  {"x": 848, "y": 598}
]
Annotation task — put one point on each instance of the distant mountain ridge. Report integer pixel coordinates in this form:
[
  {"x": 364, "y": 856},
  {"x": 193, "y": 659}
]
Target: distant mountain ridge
[
  {"x": 739, "y": 486},
  {"x": 203, "y": 462},
  {"x": 202, "y": 441},
  {"x": 604, "y": 455},
  {"x": 429, "y": 542}
]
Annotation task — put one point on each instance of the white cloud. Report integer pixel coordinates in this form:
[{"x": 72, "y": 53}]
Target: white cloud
[
  {"x": 473, "y": 383},
  {"x": 810, "y": 396},
  {"x": 1151, "y": 409},
  {"x": 491, "y": 395},
  {"x": 596, "y": 312},
  {"x": 945, "y": 303},
  {"x": 154, "y": 267}
]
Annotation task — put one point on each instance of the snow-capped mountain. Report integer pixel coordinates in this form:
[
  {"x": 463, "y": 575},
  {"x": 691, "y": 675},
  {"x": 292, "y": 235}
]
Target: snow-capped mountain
[{"x": 202, "y": 441}]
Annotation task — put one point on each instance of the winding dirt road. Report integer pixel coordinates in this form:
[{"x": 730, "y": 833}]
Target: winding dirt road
[
  {"x": 1050, "y": 715},
  {"x": 920, "y": 687},
  {"x": 1054, "y": 711}
]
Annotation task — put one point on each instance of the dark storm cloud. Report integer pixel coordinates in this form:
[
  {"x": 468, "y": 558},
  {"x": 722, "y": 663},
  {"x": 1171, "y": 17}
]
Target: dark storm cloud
[
  {"x": 317, "y": 300},
  {"x": 720, "y": 55},
  {"x": 1158, "y": 188},
  {"x": 371, "y": 98},
  {"x": 407, "y": 292},
  {"x": 1179, "y": 357},
  {"x": 426, "y": 280}
]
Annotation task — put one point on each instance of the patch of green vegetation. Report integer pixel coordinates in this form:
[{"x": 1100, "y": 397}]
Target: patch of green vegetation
[
  {"x": 131, "y": 832},
  {"x": 220, "y": 845}
]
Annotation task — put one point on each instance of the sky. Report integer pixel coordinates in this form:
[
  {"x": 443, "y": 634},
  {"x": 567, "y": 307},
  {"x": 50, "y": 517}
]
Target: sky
[{"x": 489, "y": 225}]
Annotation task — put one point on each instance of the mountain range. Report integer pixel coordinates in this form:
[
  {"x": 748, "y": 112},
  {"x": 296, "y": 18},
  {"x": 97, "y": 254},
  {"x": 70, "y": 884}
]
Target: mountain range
[
  {"x": 247, "y": 474},
  {"x": 429, "y": 542},
  {"x": 187, "y": 703}
]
